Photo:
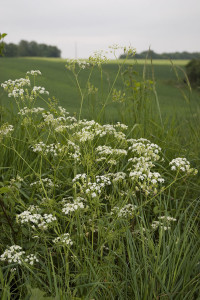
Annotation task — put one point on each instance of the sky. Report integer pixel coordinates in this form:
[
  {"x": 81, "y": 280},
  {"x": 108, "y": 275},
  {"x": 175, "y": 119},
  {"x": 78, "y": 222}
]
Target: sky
[{"x": 80, "y": 27}]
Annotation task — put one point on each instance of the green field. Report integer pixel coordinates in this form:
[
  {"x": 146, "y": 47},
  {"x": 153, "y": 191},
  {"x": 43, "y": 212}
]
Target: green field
[{"x": 171, "y": 92}]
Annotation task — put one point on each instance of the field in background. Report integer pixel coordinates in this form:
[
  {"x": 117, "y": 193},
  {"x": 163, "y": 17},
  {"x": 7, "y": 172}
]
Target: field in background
[{"x": 173, "y": 94}]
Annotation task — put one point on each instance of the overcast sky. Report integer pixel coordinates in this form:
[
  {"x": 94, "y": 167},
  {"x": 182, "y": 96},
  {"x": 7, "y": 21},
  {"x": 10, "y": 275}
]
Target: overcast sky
[{"x": 164, "y": 25}]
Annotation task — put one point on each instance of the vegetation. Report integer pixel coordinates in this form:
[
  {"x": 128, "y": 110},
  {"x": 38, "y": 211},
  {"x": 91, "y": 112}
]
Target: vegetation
[
  {"x": 91, "y": 210},
  {"x": 2, "y": 45},
  {"x": 32, "y": 48},
  {"x": 193, "y": 72},
  {"x": 154, "y": 55},
  {"x": 59, "y": 82}
]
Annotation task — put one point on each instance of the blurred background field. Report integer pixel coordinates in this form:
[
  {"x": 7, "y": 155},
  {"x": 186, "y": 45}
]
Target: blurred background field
[{"x": 175, "y": 98}]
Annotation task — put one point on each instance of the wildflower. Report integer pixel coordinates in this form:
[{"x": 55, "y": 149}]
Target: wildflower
[
  {"x": 183, "y": 165},
  {"x": 9, "y": 85},
  {"x": 39, "y": 90},
  {"x": 52, "y": 149},
  {"x": 25, "y": 111},
  {"x": 34, "y": 72},
  {"x": 127, "y": 210},
  {"x": 31, "y": 259},
  {"x": 98, "y": 58},
  {"x": 165, "y": 224},
  {"x": 47, "y": 182},
  {"x": 72, "y": 63},
  {"x": 77, "y": 204},
  {"x": 91, "y": 188},
  {"x": 16, "y": 93},
  {"x": 63, "y": 239},
  {"x": 6, "y": 129},
  {"x": 34, "y": 219},
  {"x": 117, "y": 177},
  {"x": 15, "y": 254}
]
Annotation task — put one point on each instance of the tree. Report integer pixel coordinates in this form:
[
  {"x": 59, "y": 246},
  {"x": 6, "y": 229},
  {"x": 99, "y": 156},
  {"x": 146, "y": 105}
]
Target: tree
[
  {"x": 33, "y": 49},
  {"x": 193, "y": 72},
  {"x": 11, "y": 50},
  {"x": 23, "y": 48}
]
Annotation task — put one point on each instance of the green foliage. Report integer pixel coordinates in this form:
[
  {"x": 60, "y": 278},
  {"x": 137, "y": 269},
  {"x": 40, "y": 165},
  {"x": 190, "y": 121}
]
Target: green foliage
[
  {"x": 25, "y": 48},
  {"x": 193, "y": 72},
  {"x": 153, "y": 55},
  {"x": 2, "y": 45},
  {"x": 59, "y": 82}
]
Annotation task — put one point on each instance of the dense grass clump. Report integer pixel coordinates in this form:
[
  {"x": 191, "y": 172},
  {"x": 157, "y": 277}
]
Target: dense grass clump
[{"x": 90, "y": 210}]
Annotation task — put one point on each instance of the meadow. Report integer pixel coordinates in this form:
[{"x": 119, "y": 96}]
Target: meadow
[
  {"x": 99, "y": 191},
  {"x": 60, "y": 82}
]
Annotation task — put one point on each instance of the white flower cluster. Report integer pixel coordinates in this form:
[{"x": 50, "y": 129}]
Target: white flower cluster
[
  {"x": 50, "y": 120},
  {"x": 47, "y": 182},
  {"x": 39, "y": 90},
  {"x": 143, "y": 154},
  {"x": 18, "y": 83},
  {"x": 15, "y": 87},
  {"x": 98, "y": 58},
  {"x": 79, "y": 177},
  {"x": 167, "y": 218},
  {"x": 15, "y": 254},
  {"x": 73, "y": 150},
  {"x": 107, "y": 150},
  {"x": 34, "y": 72},
  {"x": 121, "y": 126},
  {"x": 25, "y": 111},
  {"x": 53, "y": 149},
  {"x": 183, "y": 165},
  {"x": 95, "y": 188},
  {"x": 110, "y": 155},
  {"x": 117, "y": 177},
  {"x": 145, "y": 148},
  {"x": 35, "y": 219},
  {"x": 61, "y": 122},
  {"x": 63, "y": 111},
  {"x": 92, "y": 189},
  {"x": 165, "y": 224},
  {"x": 148, "y": 181},
  {"x": 71, "y": 64},
  {"x": 125, "y": 212},
  {"x": 6, "y": 129},
  {"x": 31, "y": 259},
  {"x": 63, "y": 239},
  {"x": 16, "y": 93},
  {"x": 68, "y": 207},
  {"x": 141, "y": 163},
  {"x": 88, "y": 130},
  {"x": 61, "y": 128}
]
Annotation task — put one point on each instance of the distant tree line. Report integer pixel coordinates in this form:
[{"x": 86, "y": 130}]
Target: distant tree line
[
  {"x": 25, "y": 48},
  {"x": 154, "y": 55}
]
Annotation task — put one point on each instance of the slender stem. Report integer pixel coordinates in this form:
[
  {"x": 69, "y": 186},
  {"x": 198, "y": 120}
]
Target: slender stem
[{"x": 8, "y": 219}]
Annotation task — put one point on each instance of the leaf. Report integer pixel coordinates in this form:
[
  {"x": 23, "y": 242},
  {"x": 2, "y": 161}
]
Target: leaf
[
  {"x": 4, "y": 190},
  {"x": 156, "y": 210},
  {"x": 39, "y": 295}
]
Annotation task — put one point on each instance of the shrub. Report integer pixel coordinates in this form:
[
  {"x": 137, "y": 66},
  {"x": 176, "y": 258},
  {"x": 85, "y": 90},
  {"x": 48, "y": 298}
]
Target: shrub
[{"x": 193, "y": 72}]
